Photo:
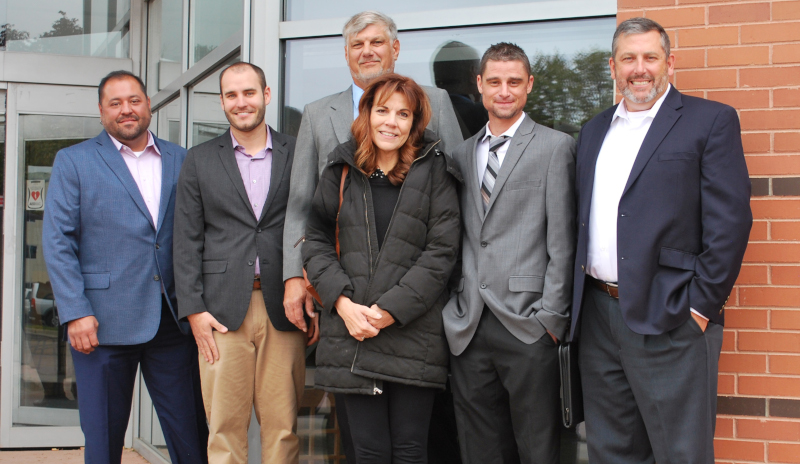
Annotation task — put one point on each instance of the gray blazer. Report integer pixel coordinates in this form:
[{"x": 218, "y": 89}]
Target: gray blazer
[
  {"x": 326, "y": 124},
  {"x": 517, "y": 260},
  {"x": 217, "y": 236}
]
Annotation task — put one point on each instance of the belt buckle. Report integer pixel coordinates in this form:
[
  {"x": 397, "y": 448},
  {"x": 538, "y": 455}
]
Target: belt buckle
[{"x": 609, "y": 286}]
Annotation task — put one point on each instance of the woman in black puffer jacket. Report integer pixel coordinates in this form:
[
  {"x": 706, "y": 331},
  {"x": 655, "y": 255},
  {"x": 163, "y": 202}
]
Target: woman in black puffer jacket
[{"x": 382, "y": 343}]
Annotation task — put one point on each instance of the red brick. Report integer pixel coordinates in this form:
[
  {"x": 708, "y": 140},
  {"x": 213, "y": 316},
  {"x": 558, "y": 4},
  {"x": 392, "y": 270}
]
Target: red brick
[
  {"x": 742, "y": 99},
  {"x": 726, "y": 384},
  {"x": 679, "y": 17},
  {"x": 768, "y": 429},
  {"x": 786, "y": 97},
  {"x": 724, "y": 427},
  {"x": 755, "y": 142},
  {"x": 786, "y": 231},
  {"x": 784, "y": 364},
  {"x": 780, "y": 165},
  {"x": 784, "y": 452},
  {"x": 770, "y": 296},
  {"x": 739, "y": 450},
  {"x": 706, "y": 79},
  {"x": 785, "y": 320},
  {"x": 773, "y": 342},
  {"x": 746, "y": 318},
  {"x": 769, "y": 77},
  {"x": 726, "y": 35},
  {"x": 782, "y": 11},
  {"x": 775, "y": 209},
  {"x": 769, "y": 386},
  {"x": 746, "y": 13},
  {"x": 786, "y": 53},
  {"x": 623, "y": 15},
  {"x": 787, "y": 142},
  {"x": 622, "y": 4},
  {"x": 759, "y": 231},
  {"x": 770, "y": 33},
  {"x": 695, "y": 93},
  {"x": 785, "y": 275},
  {"x": 729, "y": 340},
  {"x": 772, "y": 253},
  {"x": 768, "y": 119},
  {"x": 752, "y": 275},
  {"x": 690, "y": 58},
  {"x": 750, "y": 363},
  {"x": 738, "y": 56}
]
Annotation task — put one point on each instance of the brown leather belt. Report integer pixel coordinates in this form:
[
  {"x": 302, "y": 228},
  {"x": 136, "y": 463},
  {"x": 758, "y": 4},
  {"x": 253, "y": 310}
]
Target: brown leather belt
[
  {"x": 257, "y": 283},
  {"x": 612, "y": 290}
]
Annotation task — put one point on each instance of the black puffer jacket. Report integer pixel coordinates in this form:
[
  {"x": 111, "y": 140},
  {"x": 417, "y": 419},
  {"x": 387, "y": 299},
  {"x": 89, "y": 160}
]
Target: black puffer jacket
[{"x": 407, "y": 278}]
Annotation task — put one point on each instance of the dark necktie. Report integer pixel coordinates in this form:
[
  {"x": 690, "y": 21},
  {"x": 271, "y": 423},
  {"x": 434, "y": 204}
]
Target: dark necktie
[{"x": 492, "y": 168}]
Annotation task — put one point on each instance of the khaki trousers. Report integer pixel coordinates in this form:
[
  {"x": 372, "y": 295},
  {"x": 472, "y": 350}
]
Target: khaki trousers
[{"x": 258, "y": 366}]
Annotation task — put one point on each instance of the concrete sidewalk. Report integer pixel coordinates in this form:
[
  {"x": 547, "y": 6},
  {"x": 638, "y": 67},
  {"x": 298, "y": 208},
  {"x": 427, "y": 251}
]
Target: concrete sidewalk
[{"x": 74, "y": 456}]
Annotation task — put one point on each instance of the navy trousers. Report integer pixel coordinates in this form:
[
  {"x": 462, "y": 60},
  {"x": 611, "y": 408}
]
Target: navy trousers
[{"x": 105, "y": 379}]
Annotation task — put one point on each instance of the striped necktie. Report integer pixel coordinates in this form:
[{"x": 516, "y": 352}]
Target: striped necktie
[{"x": 492, "y": 168}]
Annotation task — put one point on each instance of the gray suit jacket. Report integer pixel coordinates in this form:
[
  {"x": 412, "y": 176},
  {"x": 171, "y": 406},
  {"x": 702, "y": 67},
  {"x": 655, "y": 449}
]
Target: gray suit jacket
[
  {"x": 217, "y": 236},
  {"x": 517, "y": 259},
  {"x": 326, "y": 124}
]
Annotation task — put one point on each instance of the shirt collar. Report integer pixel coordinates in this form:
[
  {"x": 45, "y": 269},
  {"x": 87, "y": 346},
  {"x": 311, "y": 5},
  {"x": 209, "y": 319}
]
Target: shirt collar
[
  {"x": 510, "y": 132},
  {"x": 622, "y": 110},
  {"x": 238, "y": 147},
  {"x": 150, "y": 143},
  {"x": 357, "y": 93}
]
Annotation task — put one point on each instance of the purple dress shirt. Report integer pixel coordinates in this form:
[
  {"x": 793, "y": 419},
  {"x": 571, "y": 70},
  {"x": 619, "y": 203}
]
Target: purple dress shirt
[{"x": 256, "y": 171}]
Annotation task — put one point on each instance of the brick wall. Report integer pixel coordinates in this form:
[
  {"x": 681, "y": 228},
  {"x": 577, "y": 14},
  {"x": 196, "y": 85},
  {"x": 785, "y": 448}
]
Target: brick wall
[{"x": 747, "y": 54}]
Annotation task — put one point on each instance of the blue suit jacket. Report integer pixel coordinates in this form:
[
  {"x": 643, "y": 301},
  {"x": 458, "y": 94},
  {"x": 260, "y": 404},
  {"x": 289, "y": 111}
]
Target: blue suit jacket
[
  {"x": 684, "y": 217},
  {"x": 105, "y": 256}
]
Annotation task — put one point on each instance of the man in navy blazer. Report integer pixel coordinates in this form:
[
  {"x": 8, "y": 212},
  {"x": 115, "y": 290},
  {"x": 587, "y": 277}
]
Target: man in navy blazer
[
  {"x": 663, "y": 222},
  {"x": 108, "y": 247}
]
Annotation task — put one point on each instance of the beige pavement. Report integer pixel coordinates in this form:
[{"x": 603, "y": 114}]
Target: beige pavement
[{"x": 60, "y": 457}]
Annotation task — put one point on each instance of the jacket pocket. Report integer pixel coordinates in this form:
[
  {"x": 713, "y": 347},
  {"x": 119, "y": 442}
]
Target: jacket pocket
[
  {"x": 96, "y": 281},
  {"x": 528, "y": 184},
  {"x": 214, "y": 267},
  {"x": 681, "y": 155},
  {"x": 526, "y": 284},
  {"x": 678, "y": 259}
]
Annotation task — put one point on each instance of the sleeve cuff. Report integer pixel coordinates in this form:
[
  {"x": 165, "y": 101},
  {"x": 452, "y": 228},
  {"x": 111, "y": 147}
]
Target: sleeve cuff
[{"x": 694, "y": 311}]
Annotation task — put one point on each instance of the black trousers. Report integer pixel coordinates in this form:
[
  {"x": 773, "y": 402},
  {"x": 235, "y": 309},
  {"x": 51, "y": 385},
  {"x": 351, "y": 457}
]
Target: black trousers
[
  {"x": 391, "y": 427},
  {"x": 506, "y": 396},
  {"x": 647, "y": 398}
]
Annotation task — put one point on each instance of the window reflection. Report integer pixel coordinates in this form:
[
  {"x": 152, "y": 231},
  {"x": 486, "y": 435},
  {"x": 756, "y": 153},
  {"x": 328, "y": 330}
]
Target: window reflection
[
  {"x": 297, "y": 10},
  {"x": 569, "y": 61},
  {"x": 208, "y": 119},
  {"x": 213, "y": 22},
  {"x": 66, "y": 27},
  {"x": 164, "y": 18},
  {"x": 166, "y": 122}
]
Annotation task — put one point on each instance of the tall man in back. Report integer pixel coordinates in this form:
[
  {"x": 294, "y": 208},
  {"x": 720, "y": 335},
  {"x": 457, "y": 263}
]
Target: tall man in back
[
  {"x": 108, "y": 247},
  {"x": 512, "y": 302},
  {"x": 371, "y": 49},
  {"x": 663, "y": 223},
  {"x": 231, "y": 202}
]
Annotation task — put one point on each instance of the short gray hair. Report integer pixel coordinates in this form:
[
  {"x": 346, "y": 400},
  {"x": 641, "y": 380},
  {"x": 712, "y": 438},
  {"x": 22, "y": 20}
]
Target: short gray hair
[
  {"x": 639, "y": 26},
  {"x": 362, "y": 20}
]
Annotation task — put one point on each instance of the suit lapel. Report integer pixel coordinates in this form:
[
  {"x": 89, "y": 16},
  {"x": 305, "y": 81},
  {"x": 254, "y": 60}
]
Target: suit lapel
[
  {"x": 517, "y": 146},
  {"x": 280, "y": 157},
  {"x": 167, "y": 181},
  {"x": 113, "y": 159},
  {"x": 228, "y": 158},
  {"x": 666, "y": 117},
  {"x": 473, "y": 183},
  {"x": 341, "y": 115}
]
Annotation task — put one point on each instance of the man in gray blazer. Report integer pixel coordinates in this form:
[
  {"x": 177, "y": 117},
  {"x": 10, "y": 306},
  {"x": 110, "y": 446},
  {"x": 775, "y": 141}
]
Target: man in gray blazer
[
  {"x": 511, "y": 304},
  {"x": 229, "y": 214}
]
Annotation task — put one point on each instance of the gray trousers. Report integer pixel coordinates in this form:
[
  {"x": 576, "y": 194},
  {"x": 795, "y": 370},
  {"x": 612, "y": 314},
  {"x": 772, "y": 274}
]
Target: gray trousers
[
  {"x": 506, "y": 397},
  {"x": 647, "y": 398}
]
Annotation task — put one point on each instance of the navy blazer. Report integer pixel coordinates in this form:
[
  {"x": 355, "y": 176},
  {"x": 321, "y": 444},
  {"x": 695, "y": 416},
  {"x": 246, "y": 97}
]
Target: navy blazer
[
  {"x": 684, "y": 217},
  {"x": 104, "y": 255}
]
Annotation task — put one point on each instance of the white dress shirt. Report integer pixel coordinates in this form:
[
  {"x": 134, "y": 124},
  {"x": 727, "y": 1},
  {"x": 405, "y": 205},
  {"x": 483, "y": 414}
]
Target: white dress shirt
[
  {"x": 145, "y": 167},
  {"x": 482, "y": 148},
  {"x": 357, "y": 93}
]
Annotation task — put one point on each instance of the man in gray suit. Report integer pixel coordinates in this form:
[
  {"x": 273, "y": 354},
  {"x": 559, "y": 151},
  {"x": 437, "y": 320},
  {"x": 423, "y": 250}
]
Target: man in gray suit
[
  {"x": 511, "y": 304},
  {"x": 229, "y": 214}
]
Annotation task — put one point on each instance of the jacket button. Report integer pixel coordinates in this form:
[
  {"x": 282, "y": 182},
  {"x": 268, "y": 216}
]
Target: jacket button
[
  {"x": 157, "y": 247},
  {"x": 621, "y": 257},
  {"x": 484, "y": 244},
  {"x": 258, "y": 230},
  {"x": 583, "y": 224},
  {"x": 583, "y": 268},
  {"x": 249, "y": 263},
  {"x": 156, "y": 278},
  {"x": 483, "y": 285}
]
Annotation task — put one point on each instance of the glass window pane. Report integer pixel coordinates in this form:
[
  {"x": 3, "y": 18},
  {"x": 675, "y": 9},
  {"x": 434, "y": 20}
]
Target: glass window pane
[
  {"x": 164, "y": 18},
  {"x": 66, "y": 27},
  {"x": 298, "y": 10},
  {"x": 208, "y": 119},
  {"x": 166, "y": 123},
  {"x": 213, "y": 22},
  {"x": 569, "y": 61},
  {"x": 47, "y": 389}
]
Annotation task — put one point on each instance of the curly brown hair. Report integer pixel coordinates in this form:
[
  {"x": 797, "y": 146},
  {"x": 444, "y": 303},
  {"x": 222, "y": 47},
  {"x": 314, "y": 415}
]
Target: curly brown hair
[{"x": 377, "y": 93}]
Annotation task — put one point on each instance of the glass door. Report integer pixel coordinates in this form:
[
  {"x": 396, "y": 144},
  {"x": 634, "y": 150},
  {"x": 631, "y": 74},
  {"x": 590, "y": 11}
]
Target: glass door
[{"x": 39, "y": 395}]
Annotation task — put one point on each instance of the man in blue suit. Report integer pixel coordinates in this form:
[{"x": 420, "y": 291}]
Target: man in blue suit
[
  {"x": 663, "y": 222},
  {"x": 108, "y": 247}
]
